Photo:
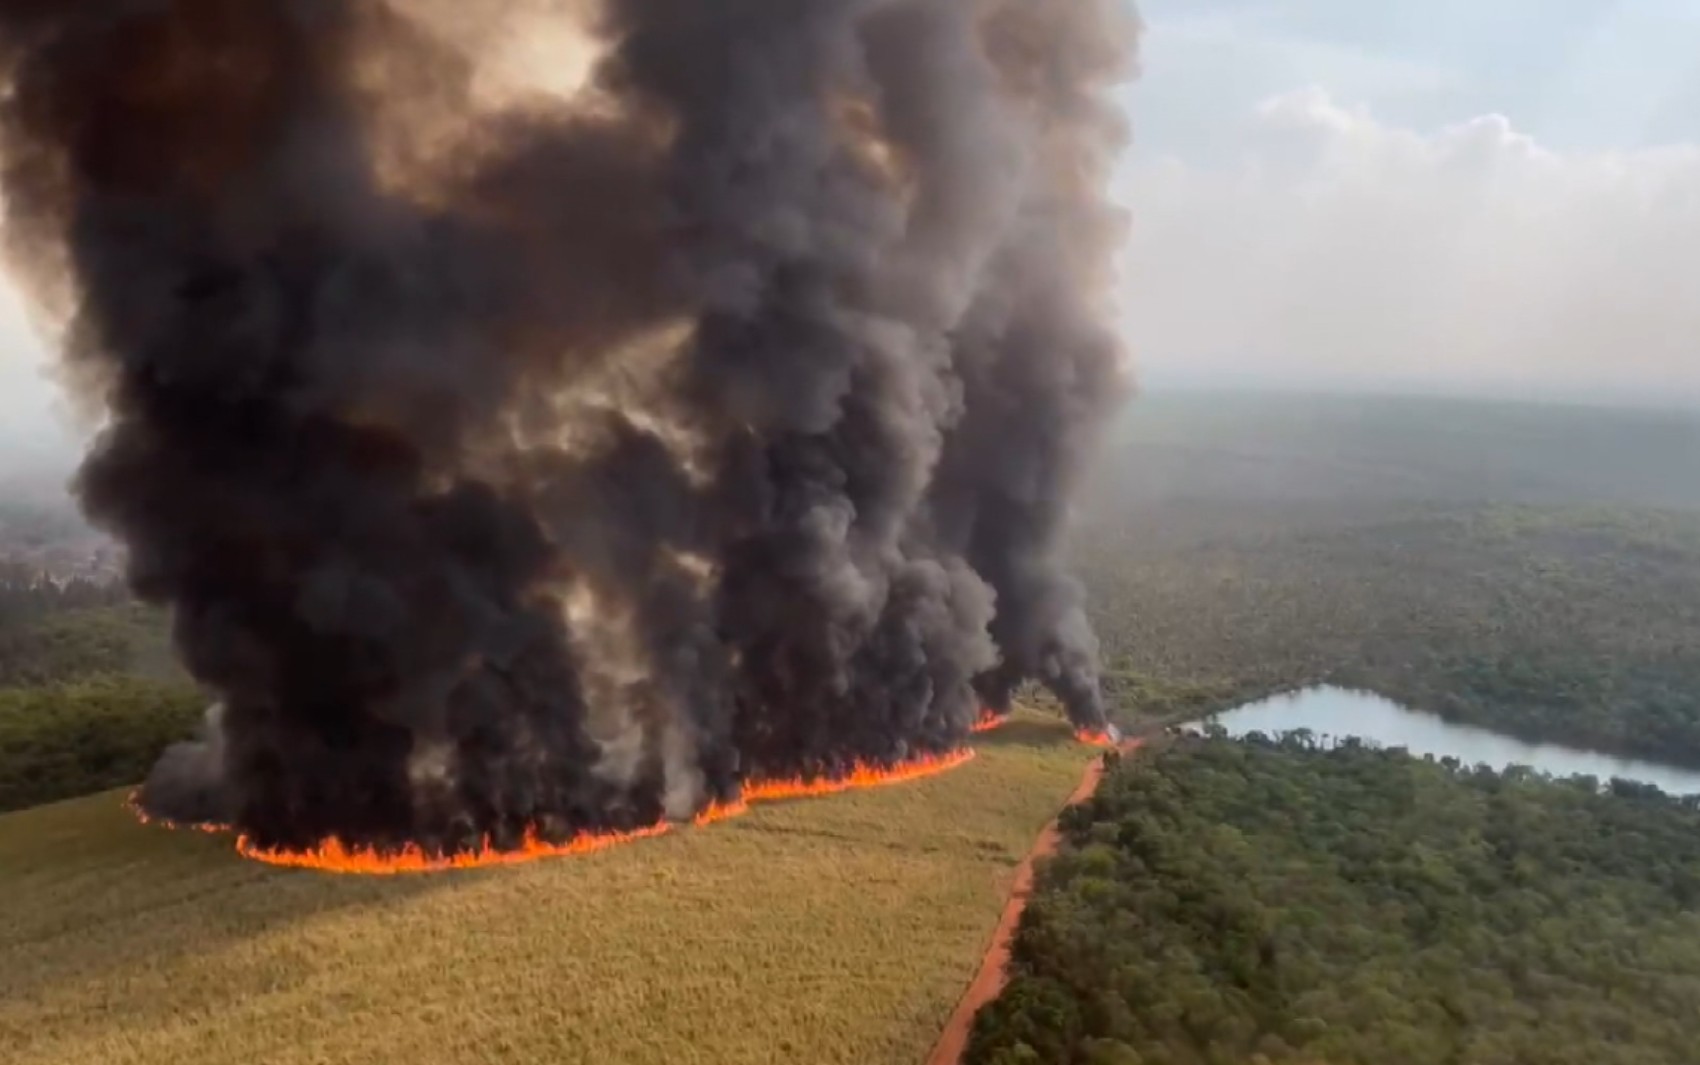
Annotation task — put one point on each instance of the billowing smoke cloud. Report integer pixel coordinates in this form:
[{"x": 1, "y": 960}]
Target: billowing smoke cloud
[{"x": 536, "y": 461}]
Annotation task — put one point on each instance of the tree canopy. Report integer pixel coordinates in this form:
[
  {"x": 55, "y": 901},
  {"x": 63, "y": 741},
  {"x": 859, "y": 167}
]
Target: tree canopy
[{"x": 1275, "y": 901}]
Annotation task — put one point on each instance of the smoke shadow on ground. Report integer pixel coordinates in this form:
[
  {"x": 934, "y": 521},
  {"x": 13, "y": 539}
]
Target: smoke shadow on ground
[
  {"x": 94, "y": 898},
  {"x": 68, "y": 864},
  {"x": 637, "y": 954}
]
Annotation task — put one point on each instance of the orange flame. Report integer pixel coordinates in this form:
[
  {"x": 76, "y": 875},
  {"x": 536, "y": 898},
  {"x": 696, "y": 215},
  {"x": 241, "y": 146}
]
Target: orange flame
[
  {"x": 860, "y": 775},
  {"x": 714, "y": 813},
  {"x": 1096, "y": 737},
  {"x": 989, "y": 721},
  {"x": 133, "y": 803},
  {"x": 333, "y": 856}
]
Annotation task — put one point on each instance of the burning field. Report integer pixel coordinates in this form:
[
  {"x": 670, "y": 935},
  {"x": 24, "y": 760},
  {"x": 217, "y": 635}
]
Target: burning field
[
  {"x": 839, "y": 931},
  {"x": 551, "y": 421},
  {"x": 334, "y": 856}
]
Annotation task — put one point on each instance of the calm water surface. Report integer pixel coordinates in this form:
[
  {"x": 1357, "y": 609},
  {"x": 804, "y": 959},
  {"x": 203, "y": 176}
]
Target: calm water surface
[{"x": 1339, "y": 713}]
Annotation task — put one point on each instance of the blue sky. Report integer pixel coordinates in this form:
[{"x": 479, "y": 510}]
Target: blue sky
[{"x": 1576, "y": 75}]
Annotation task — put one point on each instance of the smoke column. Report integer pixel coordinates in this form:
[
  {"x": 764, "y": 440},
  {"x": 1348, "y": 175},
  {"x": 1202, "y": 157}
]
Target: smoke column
[{"x": 518, "y": 460}]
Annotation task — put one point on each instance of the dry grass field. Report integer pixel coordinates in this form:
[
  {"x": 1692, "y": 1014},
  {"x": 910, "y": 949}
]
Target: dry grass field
[{"x": 823, "y": 930}]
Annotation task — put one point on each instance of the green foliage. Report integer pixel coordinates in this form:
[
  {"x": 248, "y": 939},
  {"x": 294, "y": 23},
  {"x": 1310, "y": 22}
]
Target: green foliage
[
  {"x": 1576, "y": 625},
  {"x": 1323, "y": 449},
  {"x": 85, "y": 641},
  {"x": 1274, "y": 901},
  {"x": 75, "y": 738},
  {"x": 89, "y": 694},
  {"x": 1531, "y": 568},
  {"x": 27, "y": 596}
]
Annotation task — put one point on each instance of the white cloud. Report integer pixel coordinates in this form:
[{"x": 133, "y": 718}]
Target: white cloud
[{"x": 1336, "y": 247}]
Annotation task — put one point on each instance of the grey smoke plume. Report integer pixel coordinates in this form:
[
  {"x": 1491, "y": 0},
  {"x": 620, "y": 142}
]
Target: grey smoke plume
[
  {"x": 525, "y": 462},
  {"x": 188, "y": 779}
]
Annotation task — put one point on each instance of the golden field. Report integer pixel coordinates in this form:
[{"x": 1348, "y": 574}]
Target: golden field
[{"x": 840, "y": 929}]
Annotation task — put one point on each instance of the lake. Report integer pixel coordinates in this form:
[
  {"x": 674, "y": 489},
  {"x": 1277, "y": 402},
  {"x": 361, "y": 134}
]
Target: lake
[{"x": 1339, "y": 713}]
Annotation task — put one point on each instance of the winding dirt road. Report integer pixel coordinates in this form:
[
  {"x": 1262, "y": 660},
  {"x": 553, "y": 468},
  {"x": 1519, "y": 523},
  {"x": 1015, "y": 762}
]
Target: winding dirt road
[{"x": 989, "y": 981}]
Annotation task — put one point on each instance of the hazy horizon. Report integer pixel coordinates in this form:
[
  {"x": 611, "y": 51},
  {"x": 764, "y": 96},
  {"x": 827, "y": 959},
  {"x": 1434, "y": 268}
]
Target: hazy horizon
[
  {"x": 1333, "y": 195},
  {"x": 1161, "y": 383},
  {"x": 1333, "y": 199}
]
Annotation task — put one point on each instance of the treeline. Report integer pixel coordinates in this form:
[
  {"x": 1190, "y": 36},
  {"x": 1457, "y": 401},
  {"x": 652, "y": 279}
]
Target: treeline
[
  {"x": 1271, "y": 901},
  {"x": 89, "y": 693},
  {"x": 70, "y": 739},
  {"x": 28, "y": 595},
  {"x": 110, "y": 641},
  {"x": 1574, "y": 625}
]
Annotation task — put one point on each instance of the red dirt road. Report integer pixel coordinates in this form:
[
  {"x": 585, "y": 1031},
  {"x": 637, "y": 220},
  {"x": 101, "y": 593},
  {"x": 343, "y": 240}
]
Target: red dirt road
[{"x": 989, "y": 981}]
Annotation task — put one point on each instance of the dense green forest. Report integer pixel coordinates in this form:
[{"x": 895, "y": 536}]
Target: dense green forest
[
  {"x": 1531, "y": 569},
  {"x": 1271, "y": 447},
  {"x": 73, "y": 738},
  {"x": 55, "y": 630},
  {"x": 1580, "y": 625},
  {"x": 89, "y": 693},
  {"x": 1274, "y": 901}
]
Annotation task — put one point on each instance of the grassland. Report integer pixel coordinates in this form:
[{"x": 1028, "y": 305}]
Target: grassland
[{"x": 830, "y": 930}]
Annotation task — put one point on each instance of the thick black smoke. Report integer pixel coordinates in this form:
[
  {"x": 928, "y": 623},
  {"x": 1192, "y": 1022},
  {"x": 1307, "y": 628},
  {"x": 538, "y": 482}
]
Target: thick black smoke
[{"x": 524, "y": 461}]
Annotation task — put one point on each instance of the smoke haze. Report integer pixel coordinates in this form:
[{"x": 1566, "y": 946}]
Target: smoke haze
[{"x": 549, "y": 437}]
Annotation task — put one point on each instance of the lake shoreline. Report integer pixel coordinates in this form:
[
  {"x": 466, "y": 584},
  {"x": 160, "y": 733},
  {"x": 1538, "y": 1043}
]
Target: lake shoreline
[{"x": 1329, "y": 711}]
